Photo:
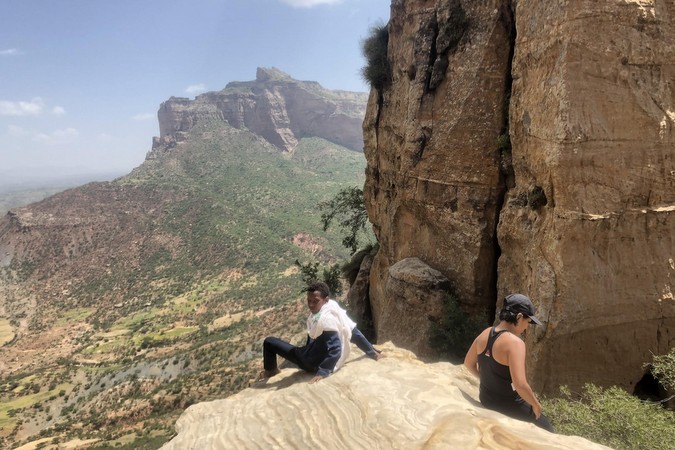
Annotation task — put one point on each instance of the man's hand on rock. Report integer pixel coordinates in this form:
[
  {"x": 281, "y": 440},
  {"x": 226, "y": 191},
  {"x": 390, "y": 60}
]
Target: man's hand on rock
[{"x": 315, "y": 379}]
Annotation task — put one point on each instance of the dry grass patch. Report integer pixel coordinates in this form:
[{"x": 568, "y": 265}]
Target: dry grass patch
[
  {"x": 291, "y": 271},
  {"x": 6, "y": 332},
  {"x": 176, "y": 332},
  {"x": 226, "y": 321},
  {"x": 7, "y": 421}
]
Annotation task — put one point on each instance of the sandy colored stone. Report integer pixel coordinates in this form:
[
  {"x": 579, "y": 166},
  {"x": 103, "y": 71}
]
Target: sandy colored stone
[
  {"x": 395, "y": 403},
  {"x": 412, "y": 286},
  {"x": 593, "y": 125},
  {"x": 580, "y": 214}
]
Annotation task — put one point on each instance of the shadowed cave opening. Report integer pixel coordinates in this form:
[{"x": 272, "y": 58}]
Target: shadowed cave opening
[{"x": 650, "y": 388}]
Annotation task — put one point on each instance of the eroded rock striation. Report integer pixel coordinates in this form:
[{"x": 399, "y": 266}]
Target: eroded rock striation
[
  {"x": 395, "y": 403},
  {"x": 275, "y": 106},
  {"x": 578, "y": 211}
]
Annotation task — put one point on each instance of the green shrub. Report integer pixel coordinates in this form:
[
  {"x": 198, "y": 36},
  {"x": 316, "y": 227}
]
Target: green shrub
[
  {"x": 377, "y": 71},
  {"x": 453, "y": 335},
  {"x": 350, "y": 269},
  {"x": 663, "y": 369},
  {"x": 330, "y": 275},
  {"x": 537, "y": 198},
  {"x": 612, "y": 417},
  {"x": 504, "y": 143}
]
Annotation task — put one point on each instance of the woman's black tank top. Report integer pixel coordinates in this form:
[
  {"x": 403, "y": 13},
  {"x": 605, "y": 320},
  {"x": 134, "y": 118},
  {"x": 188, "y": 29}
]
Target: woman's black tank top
[{"x": 495, "y": 378}]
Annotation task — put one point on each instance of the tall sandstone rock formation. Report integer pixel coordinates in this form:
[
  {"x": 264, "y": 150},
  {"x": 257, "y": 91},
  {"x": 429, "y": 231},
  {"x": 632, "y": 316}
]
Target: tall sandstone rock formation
[
  {"x": 579, "y": 213},
  {"x": 434, "y": 185},
  {"x": 593, "y": 124}
]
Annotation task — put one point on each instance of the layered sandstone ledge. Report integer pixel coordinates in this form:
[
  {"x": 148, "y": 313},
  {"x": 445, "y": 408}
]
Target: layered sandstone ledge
[{"x": 395, "y": 403}]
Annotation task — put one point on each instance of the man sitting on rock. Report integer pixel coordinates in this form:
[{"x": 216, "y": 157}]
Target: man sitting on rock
[{"x": 329, "y": 332}]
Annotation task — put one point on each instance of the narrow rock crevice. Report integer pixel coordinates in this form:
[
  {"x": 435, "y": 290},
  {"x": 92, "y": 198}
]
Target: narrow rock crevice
[
  {"x": 507, "y": 178},
  {"x": 380, "y": 103},
  {"x": 449, "y": 25},
  {"x": 421, "y": 142},
  {"x": 432, "y": 55}
]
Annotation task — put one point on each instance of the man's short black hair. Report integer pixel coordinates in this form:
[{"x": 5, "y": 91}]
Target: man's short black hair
[{"x": 320, "y": 286}]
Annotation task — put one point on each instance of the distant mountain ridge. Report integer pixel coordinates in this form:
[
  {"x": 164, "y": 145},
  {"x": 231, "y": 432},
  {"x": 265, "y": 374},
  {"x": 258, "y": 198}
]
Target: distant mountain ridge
[{"x": 275, "y": 106}]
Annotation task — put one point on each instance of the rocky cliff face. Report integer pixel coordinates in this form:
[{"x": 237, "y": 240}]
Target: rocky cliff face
[
  {"x": 394, "y": 403},
  {"x": 434, "y": 183},
  {"x": 578, "y": 212},
  {"x": 274, "y": 106},
  {"x": 593, "y": 124}
]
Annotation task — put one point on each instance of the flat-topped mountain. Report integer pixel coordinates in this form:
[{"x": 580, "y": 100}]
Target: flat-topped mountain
[{"x": 275, "y": 106}]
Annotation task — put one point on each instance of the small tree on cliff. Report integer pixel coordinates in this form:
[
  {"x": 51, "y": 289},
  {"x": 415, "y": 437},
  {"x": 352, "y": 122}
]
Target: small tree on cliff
[
  {"x": 329, "y": 275},
  {"x": 349, "y": 208}
]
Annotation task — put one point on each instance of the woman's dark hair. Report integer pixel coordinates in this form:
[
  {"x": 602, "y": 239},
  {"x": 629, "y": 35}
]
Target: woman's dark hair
[
  {"x": 320, "y": 286},
  {"x": 508, "y": 316}
]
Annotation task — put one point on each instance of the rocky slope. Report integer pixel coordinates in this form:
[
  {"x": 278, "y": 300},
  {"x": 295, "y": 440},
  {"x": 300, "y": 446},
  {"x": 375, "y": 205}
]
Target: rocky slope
[
  {"x": 395, "y": 403},
  {"x": 577, "y": 211},
  {"x": 276, "y": 107}
]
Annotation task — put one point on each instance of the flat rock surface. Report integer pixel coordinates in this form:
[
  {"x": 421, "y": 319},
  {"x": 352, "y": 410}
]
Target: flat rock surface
[{"x": 397, "y": 402}]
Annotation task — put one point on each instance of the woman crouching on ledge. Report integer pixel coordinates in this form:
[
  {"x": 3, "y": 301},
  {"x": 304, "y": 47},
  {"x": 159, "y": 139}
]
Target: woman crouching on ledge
[{"x": 497, "y": 357}]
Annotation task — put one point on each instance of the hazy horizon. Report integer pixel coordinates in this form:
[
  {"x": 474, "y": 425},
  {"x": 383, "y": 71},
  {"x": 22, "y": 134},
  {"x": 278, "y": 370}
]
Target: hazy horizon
[{"x": 30, "y": 178}]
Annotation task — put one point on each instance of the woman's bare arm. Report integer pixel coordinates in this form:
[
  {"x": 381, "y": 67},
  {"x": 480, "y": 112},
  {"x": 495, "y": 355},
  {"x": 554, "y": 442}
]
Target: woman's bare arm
[
  {"x": 516, "y": 362},
  {"x": 471, "y": 358}
]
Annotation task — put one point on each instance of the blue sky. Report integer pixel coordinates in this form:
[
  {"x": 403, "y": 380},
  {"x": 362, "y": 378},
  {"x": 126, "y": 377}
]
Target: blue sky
[{"x": 81, "y": 80}]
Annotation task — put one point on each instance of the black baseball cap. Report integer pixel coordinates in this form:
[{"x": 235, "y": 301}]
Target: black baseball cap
[{"x": 521, "y": 304}]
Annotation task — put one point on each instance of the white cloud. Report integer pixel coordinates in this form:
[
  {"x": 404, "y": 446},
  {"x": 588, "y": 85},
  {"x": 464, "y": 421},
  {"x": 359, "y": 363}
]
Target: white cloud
[
  {"x": 58, "y": 111},
  {"x": 22, "y": 108},
  {"x": 16, "y": 131},
  {"x": 105, "y": 137},
  {"x": 195, "y": 89},
  {"x": 10, "y": 52},
  {"x": 310, "y": 3},
  {"x": 144, "y": 116},
  {"x": 67, "y": 133},
  {"x": 64, "y": 136}
]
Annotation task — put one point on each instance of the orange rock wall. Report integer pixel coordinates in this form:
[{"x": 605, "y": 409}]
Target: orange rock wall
[
  {"x": 579, "y": 215},
  {"x": 593, "y": 123}
]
